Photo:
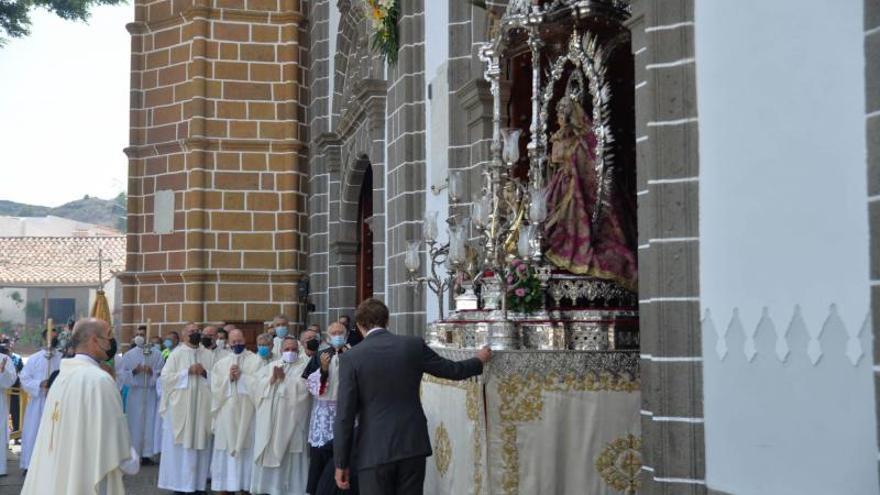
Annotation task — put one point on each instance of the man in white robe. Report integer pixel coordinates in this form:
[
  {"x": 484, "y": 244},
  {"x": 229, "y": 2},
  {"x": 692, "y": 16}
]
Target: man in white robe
[
  {"x": 138, "y": 369},
  {"x": 83, "y": 445},
  {"x": 34, "y": 379},
  {"x": 281, "y": 462},
  {"x": 232, "y": 413},
  {"x": 211, "y": 341},
  {"x": 282, "y": 329},
  {"x": 7, "y": 380},
  {"x": 185, "y": 407}
]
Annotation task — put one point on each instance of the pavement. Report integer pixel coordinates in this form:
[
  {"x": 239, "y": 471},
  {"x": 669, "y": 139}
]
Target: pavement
[{"x": 144, "y": 483}]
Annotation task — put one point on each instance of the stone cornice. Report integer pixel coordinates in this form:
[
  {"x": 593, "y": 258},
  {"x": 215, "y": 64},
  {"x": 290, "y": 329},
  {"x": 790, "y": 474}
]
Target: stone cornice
[
  {"x": 211, "y": 144},
  {"x": 206, "y": 12},
  {"x": 368, "y": 100},
  {"x": 193, "y": 276}
]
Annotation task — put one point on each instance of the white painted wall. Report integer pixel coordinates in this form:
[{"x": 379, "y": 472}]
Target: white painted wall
[
  {"x": 437, "y": 119},
  {"x": 783, "y": 222},
  {"x": 9, "y": 310}
]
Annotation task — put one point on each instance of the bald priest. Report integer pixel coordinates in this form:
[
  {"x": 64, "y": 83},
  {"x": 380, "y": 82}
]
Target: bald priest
[{"x": 83, "y": 447}]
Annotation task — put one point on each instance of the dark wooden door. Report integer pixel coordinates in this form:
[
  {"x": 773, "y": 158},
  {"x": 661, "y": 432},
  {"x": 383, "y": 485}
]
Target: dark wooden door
[
  {"x": 365, "y": 239},
  {"x": 250, "y": 329}
]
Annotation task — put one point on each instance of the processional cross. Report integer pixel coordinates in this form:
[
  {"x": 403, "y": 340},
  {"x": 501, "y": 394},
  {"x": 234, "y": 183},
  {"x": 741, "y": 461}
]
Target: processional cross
[{"x": 100, "y": 261}]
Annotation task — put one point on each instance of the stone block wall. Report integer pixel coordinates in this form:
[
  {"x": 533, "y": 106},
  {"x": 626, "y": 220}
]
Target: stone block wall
[{"x": 217, "y": 102}]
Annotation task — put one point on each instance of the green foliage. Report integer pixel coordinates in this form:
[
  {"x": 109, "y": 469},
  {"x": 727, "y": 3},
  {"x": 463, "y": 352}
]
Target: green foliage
[
  {"x": 524, "y": 294},
  {"x": 15, "y": 19},
  {"x": 34, "y": 310},
  {"x": 16, "y": 298},
  {"x": 384, "y": 16}
]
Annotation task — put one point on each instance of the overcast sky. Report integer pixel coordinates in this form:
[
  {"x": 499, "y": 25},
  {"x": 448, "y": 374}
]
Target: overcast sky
[{"x": 64, "y": 108}]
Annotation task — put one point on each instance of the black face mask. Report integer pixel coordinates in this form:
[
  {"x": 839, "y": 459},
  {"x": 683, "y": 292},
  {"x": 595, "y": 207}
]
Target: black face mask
[
  {"x": 312, "y": 345},
  {"x": 195, "y": 338},
  {"x": 207, "y": 342},
  {"x": 111, "y": 352}
]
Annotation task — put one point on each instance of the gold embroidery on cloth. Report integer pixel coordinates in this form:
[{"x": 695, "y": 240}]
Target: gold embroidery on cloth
[
  {"x": 474, "y": 404},
  {"x": 619, "y": 464},
  {"x": 442, "y": 449},
  {"x": 522, "y": 401}
]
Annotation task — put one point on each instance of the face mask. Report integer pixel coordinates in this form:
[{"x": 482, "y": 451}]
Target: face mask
[
  {"x": 263, "y": 351},
  {"x": 239, "y": 348},
  {"x": 167, "y": 343},
  {"x": 207, "y": 342},
  {"x": 289, "y": 356},
  {"x": 195, "y": 338},
  {"x": 157, "y": 348},
  {"x": 281, "y": 332},
  {"x": 111, "y": 352},
  {"x": 312, "y": 345},
  {"x": 337, "y": 341},
  {"x": 139, "y": 341},
  {"x": 221, "y": 343}
]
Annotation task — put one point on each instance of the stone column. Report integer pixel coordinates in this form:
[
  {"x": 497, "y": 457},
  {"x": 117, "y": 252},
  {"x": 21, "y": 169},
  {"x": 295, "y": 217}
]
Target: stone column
[{"x": 216, "y": 162}]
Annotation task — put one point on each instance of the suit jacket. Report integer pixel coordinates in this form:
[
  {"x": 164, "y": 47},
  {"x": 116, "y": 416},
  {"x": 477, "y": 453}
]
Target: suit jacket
[{"x": 379, "y": 382}]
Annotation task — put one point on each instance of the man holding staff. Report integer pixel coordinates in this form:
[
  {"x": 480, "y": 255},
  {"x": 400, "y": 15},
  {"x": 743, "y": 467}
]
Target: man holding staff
[
  {"x": 35, "y": 381},
  {"x": 139, "y": 369}
]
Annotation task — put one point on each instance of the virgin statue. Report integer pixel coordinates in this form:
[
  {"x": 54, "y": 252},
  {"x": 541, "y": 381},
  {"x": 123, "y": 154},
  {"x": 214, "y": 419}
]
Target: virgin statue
[{"x": 574, "y": 243}]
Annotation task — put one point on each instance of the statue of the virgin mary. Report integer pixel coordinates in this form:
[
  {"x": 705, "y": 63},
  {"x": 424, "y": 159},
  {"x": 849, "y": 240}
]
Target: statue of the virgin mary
[{"x": 574, "y": 243}]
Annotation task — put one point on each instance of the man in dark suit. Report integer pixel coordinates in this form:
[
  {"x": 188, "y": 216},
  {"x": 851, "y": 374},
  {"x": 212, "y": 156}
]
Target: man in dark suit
[{"x": 379, "y": 383}]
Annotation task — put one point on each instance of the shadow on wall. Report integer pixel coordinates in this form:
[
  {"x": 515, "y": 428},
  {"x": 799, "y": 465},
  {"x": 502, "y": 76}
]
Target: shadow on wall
[{"x": 789, "y": 409}]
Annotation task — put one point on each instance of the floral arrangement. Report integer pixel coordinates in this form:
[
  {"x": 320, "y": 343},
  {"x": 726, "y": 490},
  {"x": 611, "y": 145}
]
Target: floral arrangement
[
  {"x": 384, "y": 15},
  {"x": 524, "y": 293}
]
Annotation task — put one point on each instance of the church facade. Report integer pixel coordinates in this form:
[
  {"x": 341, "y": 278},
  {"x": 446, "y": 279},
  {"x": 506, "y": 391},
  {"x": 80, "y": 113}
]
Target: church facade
[{"x": 279, "y": 164}]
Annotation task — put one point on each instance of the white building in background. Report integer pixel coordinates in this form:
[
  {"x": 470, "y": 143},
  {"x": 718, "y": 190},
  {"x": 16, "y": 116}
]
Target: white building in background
[
  {"x": 51, "y": 226},
  {"x": 58, "y": 277}
]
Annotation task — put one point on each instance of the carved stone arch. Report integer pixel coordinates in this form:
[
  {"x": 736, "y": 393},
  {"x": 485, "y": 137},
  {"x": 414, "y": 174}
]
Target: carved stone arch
[
  {"x": 355, "y": 60},
  {"x": 351, "y": 186}
]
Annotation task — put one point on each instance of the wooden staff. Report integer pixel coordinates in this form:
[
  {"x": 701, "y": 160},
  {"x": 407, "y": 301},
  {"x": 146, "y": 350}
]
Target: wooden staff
[
  {"x": 146, "y": 352},
  {"x": 49, "y": 335}
]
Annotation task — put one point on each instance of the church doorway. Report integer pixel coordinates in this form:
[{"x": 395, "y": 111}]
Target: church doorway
[{"x": 365, "y": 238}]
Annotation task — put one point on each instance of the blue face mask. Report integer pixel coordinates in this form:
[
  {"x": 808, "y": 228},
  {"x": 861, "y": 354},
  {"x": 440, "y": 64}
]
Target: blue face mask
[
  {"x": 167, "y": 343},
  {"x": 337, "y": 341},
  {"x": 263, "y": 351},
  {"x": 281, "y": 332},
  {"x": 239, "y": 348},
  {"x": 157, "y": 348}
]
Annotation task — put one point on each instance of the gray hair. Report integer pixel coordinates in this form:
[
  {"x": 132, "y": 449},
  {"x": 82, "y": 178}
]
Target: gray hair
[{"x": 84, "y": 329}]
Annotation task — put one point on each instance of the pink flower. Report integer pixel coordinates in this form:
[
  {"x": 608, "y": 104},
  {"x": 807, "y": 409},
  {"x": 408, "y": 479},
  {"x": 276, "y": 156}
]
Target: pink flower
[
  {"x": 520, "y": 292},
  {"x": 521, "y": 268},
  {"x": 516, "y": 262},
  {"x": 510, "y": 279}
]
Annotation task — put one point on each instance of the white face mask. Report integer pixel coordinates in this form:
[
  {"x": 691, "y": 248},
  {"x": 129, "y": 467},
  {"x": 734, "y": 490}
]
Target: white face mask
[
  {"x": 289, "y": 356},
  {"x": 221, "y": 344},
  {"x": 139, "y": 341}
]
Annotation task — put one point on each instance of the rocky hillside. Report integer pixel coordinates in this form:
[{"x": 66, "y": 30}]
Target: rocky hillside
[{"x": 109, "y": 212}]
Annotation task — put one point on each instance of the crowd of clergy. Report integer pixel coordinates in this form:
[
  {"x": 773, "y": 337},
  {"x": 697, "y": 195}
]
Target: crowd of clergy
[{"x": 211, "y": 412}]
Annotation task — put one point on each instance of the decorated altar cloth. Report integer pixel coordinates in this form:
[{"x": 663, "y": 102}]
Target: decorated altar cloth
[{"x": 536, "y": 422}]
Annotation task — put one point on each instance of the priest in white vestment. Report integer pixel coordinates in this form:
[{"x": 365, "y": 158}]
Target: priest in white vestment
[
  {"x": 139, "y": 369},
  {"x": 280, "y": 324},
  {"x": 83, "y": 446},
  {"x": 185, "y": 407},
  {"x": 232, "y": 415},
  {"x": 7, "y": 380},
  {"x": 34, "y": 379},
  {"x": 281, "y": 460}
]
